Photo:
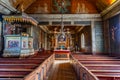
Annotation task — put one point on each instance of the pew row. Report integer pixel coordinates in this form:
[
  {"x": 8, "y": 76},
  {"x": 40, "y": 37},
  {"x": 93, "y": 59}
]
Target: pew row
[
  {"x": 102, "y": 67},
  {"x": 82, "y": 72},
  {"x": 22, "y": 68}
]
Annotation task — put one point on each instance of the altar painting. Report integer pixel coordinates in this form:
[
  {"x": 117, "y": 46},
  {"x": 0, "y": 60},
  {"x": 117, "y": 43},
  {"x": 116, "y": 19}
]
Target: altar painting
[{"x": 61, "y": 38}]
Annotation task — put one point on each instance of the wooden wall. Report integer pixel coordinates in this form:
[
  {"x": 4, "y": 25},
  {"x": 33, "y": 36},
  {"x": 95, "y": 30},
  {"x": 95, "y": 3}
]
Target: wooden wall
[
  {"x": 38, "y": 38},
  {"x": 99, "y": 37},
  {"x": 88, "y": 42}
]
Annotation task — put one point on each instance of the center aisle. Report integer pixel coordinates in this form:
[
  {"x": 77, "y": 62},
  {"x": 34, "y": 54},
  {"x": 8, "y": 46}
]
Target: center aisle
[{"x": 62, "y": 70}]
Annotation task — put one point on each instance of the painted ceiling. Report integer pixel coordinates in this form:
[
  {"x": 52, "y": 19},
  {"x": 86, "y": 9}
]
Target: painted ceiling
[{"x": 54, "y": 6}]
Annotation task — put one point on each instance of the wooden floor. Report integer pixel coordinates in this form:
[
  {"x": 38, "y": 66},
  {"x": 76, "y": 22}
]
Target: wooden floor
[{"x": 62, "y": 70}]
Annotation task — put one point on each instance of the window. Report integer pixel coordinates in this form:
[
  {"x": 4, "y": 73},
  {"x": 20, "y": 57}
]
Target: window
[{"x": 82, "y": 41}]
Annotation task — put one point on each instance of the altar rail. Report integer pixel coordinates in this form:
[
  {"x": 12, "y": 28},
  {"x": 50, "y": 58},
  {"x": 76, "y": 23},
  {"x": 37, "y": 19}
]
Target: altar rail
[{"x": 82, "y": 72}]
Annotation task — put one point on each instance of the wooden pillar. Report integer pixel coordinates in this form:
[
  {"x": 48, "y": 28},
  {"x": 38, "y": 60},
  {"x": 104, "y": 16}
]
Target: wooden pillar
[
  {"x": 55, "y": 42},
  {"x": 46, "y": 41},
  {"x": 93, "y": 37},
  {"x": 1, "y": 36}
]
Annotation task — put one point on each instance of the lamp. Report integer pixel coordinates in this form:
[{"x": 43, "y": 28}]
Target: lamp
[{"x": 62, "y": 24}]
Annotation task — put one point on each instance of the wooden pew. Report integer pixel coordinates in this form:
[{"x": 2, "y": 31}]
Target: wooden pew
[
  {"x": 107, "y": 75},
  {"x": 105, "y": 72},
  {"x": 18, "y": 68},
  {"x": 100, "y": 62},
  {"x": 99, "y": 59},
  {"x": 105, "y": 68},
  {"x": 13, "y": 74}
]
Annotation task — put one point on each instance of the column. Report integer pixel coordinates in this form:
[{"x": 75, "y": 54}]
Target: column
[
  {"x": 93, "y": 37},
  {"x": 0, "y": 36},
  {"x": 55, "y": 42},
  {"x": 46, "y": 41}
]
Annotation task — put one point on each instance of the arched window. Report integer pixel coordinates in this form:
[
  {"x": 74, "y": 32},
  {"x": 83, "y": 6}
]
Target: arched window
[{"x": 82, "y": 41}]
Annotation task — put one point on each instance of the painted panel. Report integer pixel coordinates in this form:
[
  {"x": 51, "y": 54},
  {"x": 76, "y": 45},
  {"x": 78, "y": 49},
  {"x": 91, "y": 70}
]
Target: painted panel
[
  {"x": 7, "y": 28},
  {"x": 82, "y": 6},
  {"x": 30, "y": 42},
  {"x": 12, "y": 43},
  {"x": 61, "y": 6},
  {"x": 40, "y": 6},
  {"x": 24, "y": 42},
  {"x": 114, "y": 29}
]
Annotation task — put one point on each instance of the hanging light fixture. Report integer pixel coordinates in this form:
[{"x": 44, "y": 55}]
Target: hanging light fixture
[{"x": 62, "y": 23}]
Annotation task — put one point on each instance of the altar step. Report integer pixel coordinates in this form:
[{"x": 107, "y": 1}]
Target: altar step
[{"x": 62, "y": 70}]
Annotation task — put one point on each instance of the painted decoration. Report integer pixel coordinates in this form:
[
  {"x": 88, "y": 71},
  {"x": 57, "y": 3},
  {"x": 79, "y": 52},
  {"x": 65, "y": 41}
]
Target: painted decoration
[
  {"x": 7, "y": 28},
  {"x": 24, "y": 42},
  {"x": 114, "y": 34},
  {"x": 13, "y": 43},
  {"x": 30, "y": 43},
  {"x": 61, "y": 6},
  {"x": 81, "y": 8}
]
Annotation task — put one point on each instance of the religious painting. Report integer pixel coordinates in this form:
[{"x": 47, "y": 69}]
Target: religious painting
[
  {"x": 61, "y": 6},
  {"x": 12, "y": 42},
  {"x": 24, "y": 42},
  {"x": 114, "y": 34},
  {"x": 39, "y": 6},
  {"x": 7, "y": 28},
  {"x": 61, "y": 38},
  {"x": 30, "y": 43}
]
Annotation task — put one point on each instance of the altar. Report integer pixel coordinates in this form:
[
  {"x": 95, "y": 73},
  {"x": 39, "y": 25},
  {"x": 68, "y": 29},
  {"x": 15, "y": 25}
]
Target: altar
[
  {"x": 61, "y": 45},
  {"x": 62, "y": 54}
]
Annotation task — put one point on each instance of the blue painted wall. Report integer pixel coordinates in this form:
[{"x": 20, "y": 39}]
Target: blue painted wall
[{"x": 114, "y": 31}]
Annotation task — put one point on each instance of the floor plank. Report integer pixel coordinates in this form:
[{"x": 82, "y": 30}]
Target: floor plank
[{"x": 62, "y": 70}]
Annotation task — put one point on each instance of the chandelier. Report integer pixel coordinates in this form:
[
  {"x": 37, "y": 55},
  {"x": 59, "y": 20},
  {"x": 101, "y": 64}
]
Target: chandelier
[{"x": 62, "y": 33}]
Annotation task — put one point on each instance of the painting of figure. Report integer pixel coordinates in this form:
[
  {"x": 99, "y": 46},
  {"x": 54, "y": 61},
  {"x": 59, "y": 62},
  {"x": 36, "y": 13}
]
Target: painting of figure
[
  {"x": 61, "y": 6},
  {"x": 13, "y": 44},
  {"x": 61, "y": 38},
  {"x": 114, "y": 34}
]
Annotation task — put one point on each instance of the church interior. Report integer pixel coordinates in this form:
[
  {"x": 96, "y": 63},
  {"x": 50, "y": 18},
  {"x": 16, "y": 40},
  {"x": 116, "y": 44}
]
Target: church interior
[{"x": 59, "y": 39}]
